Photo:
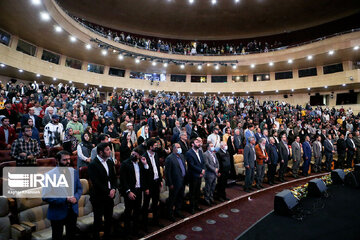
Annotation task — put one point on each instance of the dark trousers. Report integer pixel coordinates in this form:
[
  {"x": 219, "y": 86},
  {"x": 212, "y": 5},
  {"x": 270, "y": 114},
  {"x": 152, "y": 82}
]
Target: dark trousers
[
  {"x": 102, "y": 207},
  {"x": 305, "y": 167},
  {"x": 271, "y": 172},
  {"x": 221, "y": 184},
  {"x": 282, "y": 170},
  {"x": 328, "y": 161},
  {"x": 341, "y": 160},
  {"x": 249, "y": 177},
  {"x": 132, "y": 211},
  {"x": 57, "y": 226},
  {"x": 349, "y": 158},
  {"x": 194, "y": 191},
  {"x": 176, "y": 197},
  {"x": 154, "y": 195}
]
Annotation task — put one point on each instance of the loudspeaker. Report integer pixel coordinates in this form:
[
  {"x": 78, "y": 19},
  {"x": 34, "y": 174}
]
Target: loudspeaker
[
  {"x": 338, "y": 176},
  {"x": 351, "y": 91},
  {"x": 352, "y": 179},
  {"x": 285, "y": 202},
  {"x": 286, "y": 96},
  {"x": 316, "y": 187}
]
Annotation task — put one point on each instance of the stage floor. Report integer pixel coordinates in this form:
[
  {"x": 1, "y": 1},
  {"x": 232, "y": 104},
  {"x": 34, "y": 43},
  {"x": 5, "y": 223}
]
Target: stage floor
[{"x": 336, "y": 217}]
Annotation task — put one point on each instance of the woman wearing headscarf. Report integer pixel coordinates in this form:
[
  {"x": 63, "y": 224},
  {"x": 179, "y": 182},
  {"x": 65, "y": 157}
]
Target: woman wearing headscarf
[
  {"x": 144, "y": 132},
  {"x": 70, "y": 142},
  {"x": 84, "y": 151},
  {"x": 126, "y": 147}
]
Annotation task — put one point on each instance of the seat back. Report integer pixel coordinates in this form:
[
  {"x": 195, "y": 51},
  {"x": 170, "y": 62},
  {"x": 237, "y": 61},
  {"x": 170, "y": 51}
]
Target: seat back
[
  {"x": 83, "y": 173},
  {"x": 5, "y": 156},
  {"x": 4, "y": 218},
  {"x": 46, "y": 162},
  {"x": 85, "y": 206}
]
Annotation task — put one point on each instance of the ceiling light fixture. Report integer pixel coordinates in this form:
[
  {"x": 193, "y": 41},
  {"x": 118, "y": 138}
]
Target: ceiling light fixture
[
  {"x": 121, "y": 57},
  {"x": 88, "y": 46},
  {"x": 100, "y": 86},
  {"x": 325, "y": 86},
  {"x": 2, "y": 65},
  {"x": 309, "y": 88},
  {"x": 72, "y": 39},
  {"x": 292, "y": 89},
  {"x": 165, "y": 64},
  {"x": 216, "y": 67},
  {"x": 85, "y": 84},
  {"x": 191, "y": 1},
  {"x": 70, "y": 81},
  {"x": 344, "y": 84},
  {"x": 252, "y": 65},
  {"x": 271, "y": 64},
  {"x": 104, "y": 52},
  {"x": 58, "y": 29},
  {"x": 153, "y": 63},
  {"x": 290, "y": 61},
  {"x": 331, "y": 52},
  {"x": 277, "y": 91},
  {"x": 38, "y": 75},
  {"x": 262, "y": 91},
  {"x": 182, "y": 66},
  {"x": 20, "y": 70},
  {"x": 36, "y": 2},
  {"x": 356, "y": 48},
  {"x": 234, "y": 66},
  {"x": 213, "y": 2},
  {"x": 137, "y": 61},
  {"x": 199, "y": 67},
  {"x": 309, "y": 57},
  {"x": 54, "y": 78},
  {"x": 237, "y": 1},
  {"x": 44, "y": 16}
]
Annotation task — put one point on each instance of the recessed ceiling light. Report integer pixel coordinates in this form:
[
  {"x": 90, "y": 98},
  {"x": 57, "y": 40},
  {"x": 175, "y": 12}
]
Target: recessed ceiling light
[
  {"x": 232, "y": 92},
  {"x": 276, "y": 90},
  {"x": 38, "y": 75},
  {"x": 20, "y": 70},
  {"x": 252, "y": 65},
  {"x": 262, "y": 91},
  {"x": 88, "y": 46},
  {"x": 44, "y": 16},
  {"x": 182, "y": 66},
  {"x": 247, "y": 92},
  {"x": 216, "y": 67},
  {"x": 292, "y": 90},
  {"x": 104, "y": 52},
  {"x": 137, "y": 60},
  {"x": 356, "y": 48},
  {"x": 204, "y": 92},
  {"x": 290, "y": 61},
  {"x": 58, "y": 29},
  {"x": 309, "y": 88},
  {"x": 267, "y": 76},
  {"x": 54, "y": 78},
  {"x": 191, "y": 1},
  {"x": 153, "y": 63},
  {"x": 218, "y": 92},
  {"x": 114, "y": 51},
  {"x": 344, "y": 84},
  {"x": 271, "y": 64},
  {"x": 100, "y": 86},
  {"x": 309, "y": 57},
  {"x": 70, "y": 81},
  {"x": 208, "y": 64},
  {"x": 85, "y": 84},
  {"x": 115, "y": 88},
  {"x": 325, "y": 86},
  {"x": 331, "y": 52},
  {"x": 121, "y": 57},
  {"x": 234, "y": 66},
  {"x": 36, "y": 2},
  {"x": 199, "y": 67},
  {"x": 72, "y": 39},
  {"x": 2, "y": 65},
  {"x": 237, "y": 1},
  {"x": 213, "y": 2},
  {"x": 165, "y": 64}
]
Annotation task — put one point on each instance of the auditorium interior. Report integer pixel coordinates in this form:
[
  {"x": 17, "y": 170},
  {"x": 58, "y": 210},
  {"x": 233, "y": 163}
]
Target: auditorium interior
[{"x": 181, "y": 119}]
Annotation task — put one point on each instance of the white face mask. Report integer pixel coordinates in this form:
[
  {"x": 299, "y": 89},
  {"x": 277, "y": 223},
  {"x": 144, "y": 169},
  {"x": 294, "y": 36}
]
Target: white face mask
[
  {"x": 225, "y": 148},
  {"x": 179, "y": 151},
  {"x": 212, "y": 149}
]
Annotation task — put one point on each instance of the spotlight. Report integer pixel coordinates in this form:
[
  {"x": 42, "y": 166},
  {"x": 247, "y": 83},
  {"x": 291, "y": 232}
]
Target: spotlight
[
  {"x": 344, "y": 84},
  {"x": 114, "y": 51},
  {"x": 137, "y": 61},
  {"x": 36, "y": 2},
  {"x": 309, "y": 88},
  {"x": 153, "y": 63},
  {"x": 182, "y": 66},
  {"x": 88, "y": 46},
  {"x": 121, "y": 57},
  {"x": 237, "y": 1},
  {"x": 54, "y": 78},
  {"x": 262, "y": 91},
  {"x": 325, "y": 86},
  {"x": 219, "y": 93},
  {"x": 44, "y": 16},
  {"x": 271, "y": 64},
  {"x": 213, "y": 2},
  {"x": 247, "y": 92},
  {"x": 216, "y": 67},
  {"x": 165, "y": 64},
  {"x": 331, "y": 52},
  {"x": 199, "y": 67},
  {"x": 190, "y": 92},
  {"x": 234, "y": 66},
  {"x": 309, "y": 57},
  {"x": 58, "y": 29},
  {"x": 232, "y": 92},
  {"x": 100, "y": 86},
  {"x": 85, "y": 84},
  {"x": 104, "y": 52},
  {"x": 252, "y": 65},
  {"x": 38, "y": 75},
  {"x": 208, "y": 64},
  {"x": 292, "y": 89},
  {"x": 114, "y": 88},
  {"x": 277, "y": 91},
  {"x": 70, "y": 81},
  {"x": 72, "y": 39},
  {"x": 191, "y": 1},
  {"x": 290, "y": 61},
  {"x": 2, "y": 65},
  {"x": 20, "y": 70},
  {"x": 356, "y": 48}
]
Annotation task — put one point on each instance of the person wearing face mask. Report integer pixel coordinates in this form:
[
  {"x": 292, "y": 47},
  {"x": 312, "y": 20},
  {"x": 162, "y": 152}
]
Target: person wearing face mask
[
  {"x": 154, "y": 181},
  {"x": 133, "y": 182},
  {"x": 196, "y": 169},
  {"x": 175, "y": 173},
  {"x": 211, "y": 173},
  {"x": 223, "y": 156}
]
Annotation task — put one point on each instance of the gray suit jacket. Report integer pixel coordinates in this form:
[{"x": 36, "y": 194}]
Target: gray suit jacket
[
  {"x": 249, "y": 156},
  {"x": 296, "y": 151},
  {"x": 210, "y": 166},
  {"x": 317, "y": 150}
]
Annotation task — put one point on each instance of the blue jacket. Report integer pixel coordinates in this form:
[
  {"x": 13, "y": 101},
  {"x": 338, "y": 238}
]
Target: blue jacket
[
  {"x": 195, "y": 166},
  {"x": 307, "y": 150},
  {"x": 58, "y": 207},
  {"x": 328, "y": 147},
  {"x": 273, "y": 154}
]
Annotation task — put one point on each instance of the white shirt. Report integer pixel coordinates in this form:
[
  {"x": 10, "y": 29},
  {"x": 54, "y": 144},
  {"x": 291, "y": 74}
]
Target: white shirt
[
  {"x": 153, "y": 163},
  {"x": 103, "y": 162},
  {"x": 353, "y": 144},
  {"x": 197, "y": 154},
  {"x": 137, "y": 174}
]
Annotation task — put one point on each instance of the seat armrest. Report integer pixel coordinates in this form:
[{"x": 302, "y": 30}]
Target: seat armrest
[
  {"x": 29, "y": 225},
  {"x": 18, "y": 232}
]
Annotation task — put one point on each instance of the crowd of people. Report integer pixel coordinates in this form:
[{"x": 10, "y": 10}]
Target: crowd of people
[
  {"x": 181, "y": 47},
  {"x": 191, "y": 138}
]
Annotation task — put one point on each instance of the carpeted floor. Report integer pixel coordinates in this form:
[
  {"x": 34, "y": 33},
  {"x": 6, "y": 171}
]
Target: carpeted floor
[{"x": 336, "y": 217}]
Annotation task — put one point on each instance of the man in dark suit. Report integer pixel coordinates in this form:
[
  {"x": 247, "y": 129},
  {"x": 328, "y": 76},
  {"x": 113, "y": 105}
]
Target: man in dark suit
[
  {"x": 64, "y": 211},
  {"x": 9, "y": 113},
  {"x": 306, "y": 155},
  {"x": 175, "y": 172},
  {"x": 133, "y": 182},
  {"x": 196, "y": 170},
  {"x": 284, "y": 153},
  {"x": 154, "y": 181},
  {"x": 341, "y": 150},
  {"x": 224, "y": 169},
  {"x": 238, "y": 141},
  {"x": 183, "y": 142},
  {"x": 273, "y": 154},
  {"x": 351, "y": 149},
  {"x": 249, "y": 163},
  {"x": 103, "y": 186},
  {"x": 176, "y": 132},
  {"x": 329, "y": 152},
  {"x": 36, "y": 120}
]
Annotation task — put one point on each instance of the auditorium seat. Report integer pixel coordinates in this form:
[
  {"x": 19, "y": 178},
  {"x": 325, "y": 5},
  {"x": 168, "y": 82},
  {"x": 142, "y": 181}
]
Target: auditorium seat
[
  {"x": 73, "y": 161},
  {"x": 153, "y": 133},
  {"x": 240, "y": 151},
  {"x": 46, "y": 162},
  {"x": 5, "y": 156},
  {"x": 164, "y": 193},
  {"x": 32, "y": 216},
  {"x": 239, "y": 164},
  {"x": 86, "y": 216},
  {"x": 117, "y": 156},
  {"x": 8, "y": 231},
  {"x": 54, "y": 150},
  {"x": 83, "y": 172},
  {"x": 119, "y": 206}
]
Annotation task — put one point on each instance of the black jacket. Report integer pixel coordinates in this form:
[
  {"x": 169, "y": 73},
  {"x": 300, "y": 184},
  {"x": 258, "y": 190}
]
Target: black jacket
[
  {"x": 151, "y": 167},
  {"x": 128, "y": 177}
]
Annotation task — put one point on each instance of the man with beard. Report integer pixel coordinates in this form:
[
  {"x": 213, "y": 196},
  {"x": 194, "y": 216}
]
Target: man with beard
[
  {"x": 273, "y": 154},
  {"x": 133, "y": 182},
  {"x": 77, "y": 127},
  {"x": 341, "y": 150},
  {"x": 296, "y": 155},
  {"x": 261, "y": 159},
  {"x": 306, "y": 156},
  {"x": 196, "y": 170},
  {"x": 351, "y": 149},
  {"x": 317, "y": 147},
  {"x": 64, "y": 211},
  {"x": 7, "y": 134},
  {"x": 25, "y": 149},
  {"x": 284, "y": 153},
  {"x": 249, "y": 163}
]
